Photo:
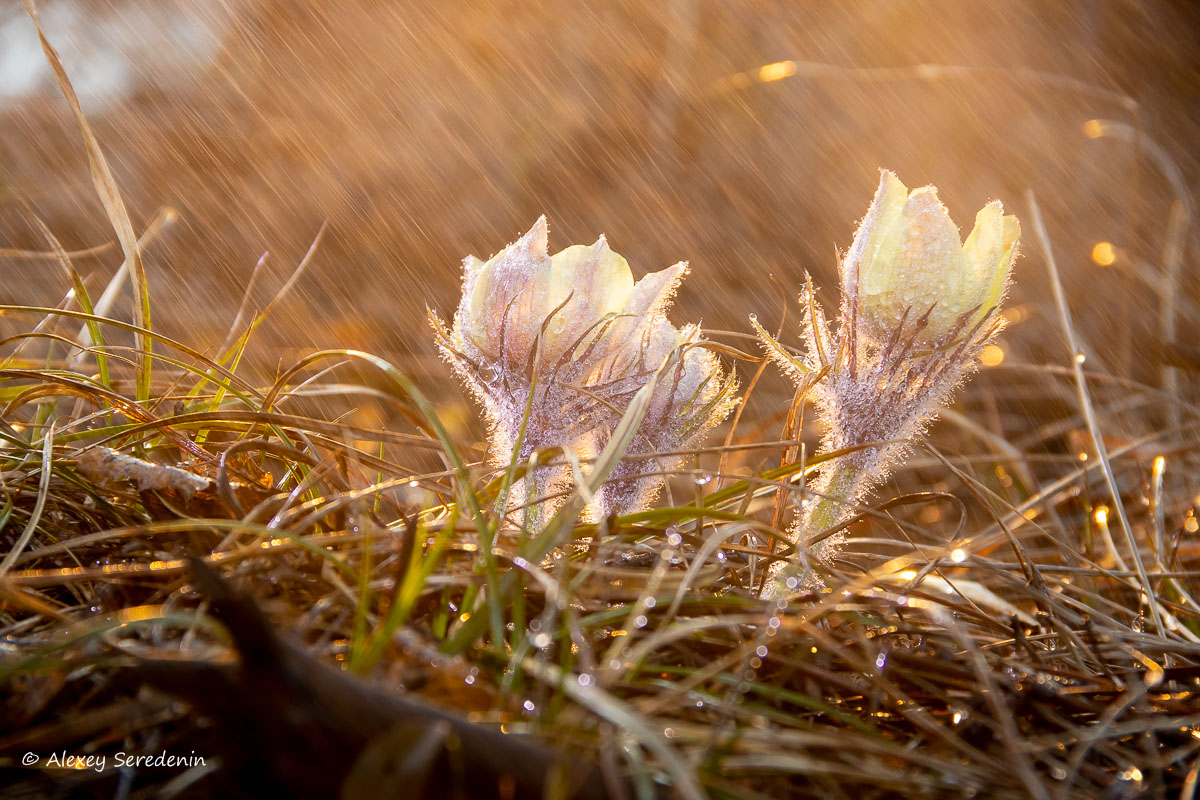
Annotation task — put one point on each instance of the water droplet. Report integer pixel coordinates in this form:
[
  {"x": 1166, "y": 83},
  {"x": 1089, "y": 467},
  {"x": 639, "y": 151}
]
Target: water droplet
[
  {"x": 674, "y": 537},
  {"x": 614, "y": 665},
  {"x": 529, "y": 706},
  {"x": 881, "y": 660},
  {"x": 1080, "y": 358},
  {"x": 761, "y": 651},
  {"x": 703, "y": 479},
  {"x": 650, "y": 602},
  {"x": 541, "y": 640},
  {"x": 721, "y": 556},
  {"x": 640, "y": 621},
  {"x": 469, "y": 680},
  {"x": 585, "y": 680}
]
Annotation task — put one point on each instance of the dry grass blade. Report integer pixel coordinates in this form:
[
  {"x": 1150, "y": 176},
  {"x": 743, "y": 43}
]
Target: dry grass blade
[
  {"x": 110, "y": 198},
  {"x": 35, "y": 517},
  {"x": 1089, "y": 412}
]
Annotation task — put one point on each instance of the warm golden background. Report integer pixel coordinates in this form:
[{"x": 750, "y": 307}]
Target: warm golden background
[{"x": 429, "y": 129}]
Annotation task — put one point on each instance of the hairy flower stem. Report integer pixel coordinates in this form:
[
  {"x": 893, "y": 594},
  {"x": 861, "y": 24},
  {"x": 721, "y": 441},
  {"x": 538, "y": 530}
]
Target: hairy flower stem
[
  {"x": 839, "y": 485},
  {"x": 537, "y": 510}
]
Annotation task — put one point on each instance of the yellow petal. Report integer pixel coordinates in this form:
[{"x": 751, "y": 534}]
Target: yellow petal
[
  {"x": 598, "y": 282},
  {"x": 918, "y": 266},
  {"x": 989, "y": 251},
  {"x": 933, "y": 259},
  {"x": 984, "y": 244},
  {"x": 885, "y": 215}
]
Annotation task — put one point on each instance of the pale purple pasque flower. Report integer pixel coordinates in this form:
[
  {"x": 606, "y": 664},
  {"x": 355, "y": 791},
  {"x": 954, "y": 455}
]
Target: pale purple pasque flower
[{"x": 561, "y": 344}]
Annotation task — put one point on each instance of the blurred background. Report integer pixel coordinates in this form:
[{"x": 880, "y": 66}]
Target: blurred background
[{"x": 741, "y": 135}]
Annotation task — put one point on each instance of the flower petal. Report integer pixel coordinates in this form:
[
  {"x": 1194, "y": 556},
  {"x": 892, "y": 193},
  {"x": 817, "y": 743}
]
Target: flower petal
[
  {"x": 864, "y": 267},
  {"x": 989, "y": 250},
  {"x": 505, "y": 292}
]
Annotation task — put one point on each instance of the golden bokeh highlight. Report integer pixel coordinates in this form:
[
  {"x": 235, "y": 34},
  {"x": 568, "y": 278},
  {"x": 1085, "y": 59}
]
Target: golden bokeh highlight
[
  {"x": 1104, "y": 254},
  {"x": 777, "y": 71},
  {"x": 992, "y": 355}
]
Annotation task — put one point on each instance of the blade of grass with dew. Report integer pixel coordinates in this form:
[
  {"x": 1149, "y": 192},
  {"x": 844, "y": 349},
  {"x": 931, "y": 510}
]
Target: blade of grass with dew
[{"x": 421, "y": 565}]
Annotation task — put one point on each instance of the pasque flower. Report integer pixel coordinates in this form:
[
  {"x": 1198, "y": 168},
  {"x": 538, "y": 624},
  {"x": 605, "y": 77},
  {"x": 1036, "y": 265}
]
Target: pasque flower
[
  {"x": 560, "y": 345},
  {"x": 918, "y": 305}
]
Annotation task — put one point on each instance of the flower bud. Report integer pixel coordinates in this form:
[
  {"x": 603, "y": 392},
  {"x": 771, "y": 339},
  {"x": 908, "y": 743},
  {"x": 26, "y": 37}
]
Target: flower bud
[
  {"x": 907, "y": 261},
  {"x": 509, "y": 298}
]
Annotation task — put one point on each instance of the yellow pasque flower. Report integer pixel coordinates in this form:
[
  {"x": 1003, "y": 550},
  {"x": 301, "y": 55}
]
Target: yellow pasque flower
[
  {"x": 907, "y": 261},
  {"x": 918, "y": 306}
]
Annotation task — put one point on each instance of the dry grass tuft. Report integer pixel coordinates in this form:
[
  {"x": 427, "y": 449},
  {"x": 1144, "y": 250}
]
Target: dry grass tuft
[{"x": 1016, "y": 615}]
